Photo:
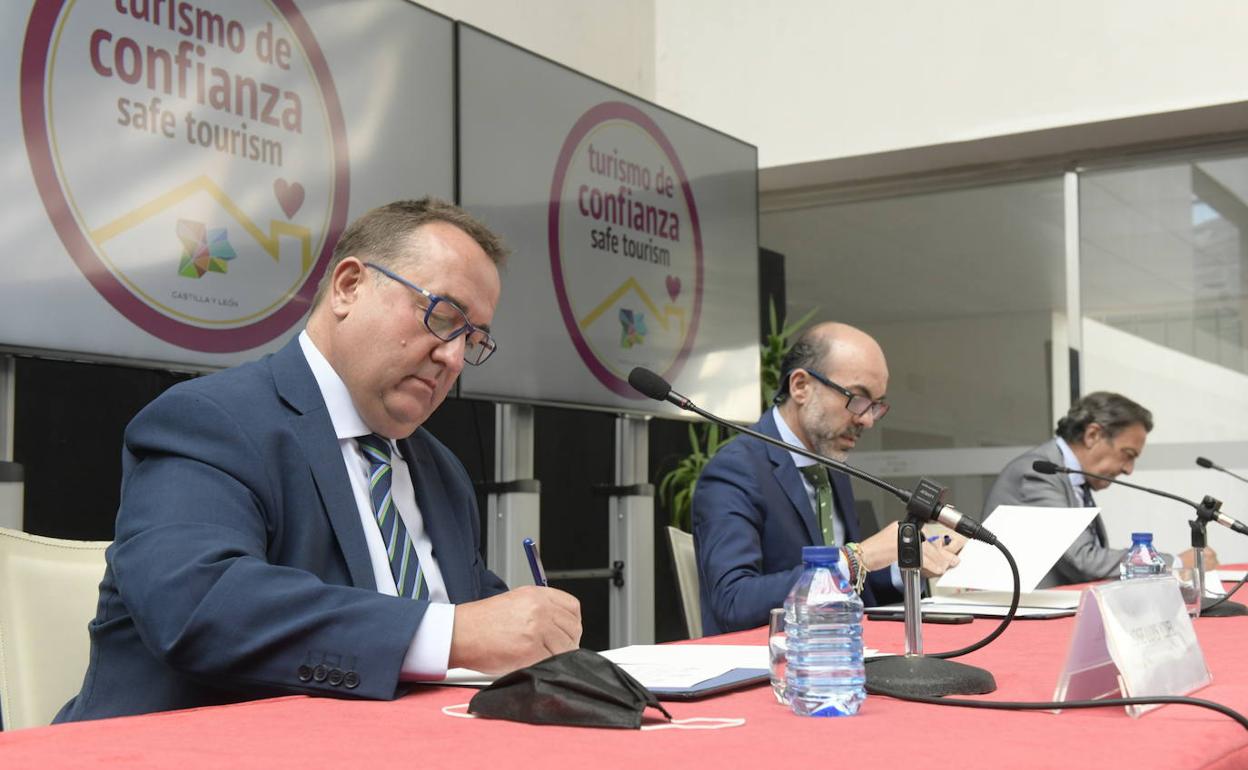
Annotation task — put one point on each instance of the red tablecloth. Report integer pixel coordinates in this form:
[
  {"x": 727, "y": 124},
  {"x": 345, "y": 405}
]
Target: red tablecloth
[{"x": 301, "y": 732}]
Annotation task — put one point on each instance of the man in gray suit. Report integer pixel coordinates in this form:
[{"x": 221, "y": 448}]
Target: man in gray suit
[{"x": 1103, "y": 433}]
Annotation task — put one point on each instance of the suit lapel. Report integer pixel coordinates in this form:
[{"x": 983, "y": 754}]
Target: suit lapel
[
  {"x": 790, "y": 479},
  {"x": 432, "y": 499},
  {"x": 1054, "y": 454},
  {"x": 315, "y": 433}
]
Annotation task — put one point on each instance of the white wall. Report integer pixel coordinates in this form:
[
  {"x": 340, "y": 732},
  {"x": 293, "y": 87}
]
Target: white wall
[
  {"x": 611, "y": 41},
  {"x": 1198, "y": 409},
  {"x": 807, "y": 80}
]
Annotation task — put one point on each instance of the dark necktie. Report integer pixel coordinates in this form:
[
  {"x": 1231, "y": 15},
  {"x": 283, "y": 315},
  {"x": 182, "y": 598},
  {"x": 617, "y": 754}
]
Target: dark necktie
[
  {"x": 1098, "y": 526},
  {"x": 409, "y": 578},
  {"x": 817, "y": 475}
]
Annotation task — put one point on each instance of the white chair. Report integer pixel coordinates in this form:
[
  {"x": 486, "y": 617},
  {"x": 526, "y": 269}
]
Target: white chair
[
  {"x": 686, "y": 563},
  {"x": 49, "y": 589}
]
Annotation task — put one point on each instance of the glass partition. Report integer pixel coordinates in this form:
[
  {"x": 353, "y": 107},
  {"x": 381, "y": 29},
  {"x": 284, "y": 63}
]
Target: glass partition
[
  {"x": 1164, "y": 287},
  {"x": 965, "y": 290}
]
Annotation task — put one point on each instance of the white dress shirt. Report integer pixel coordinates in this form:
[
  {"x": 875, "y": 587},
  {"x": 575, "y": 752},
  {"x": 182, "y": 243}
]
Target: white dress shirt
[
  {"x": 430, "y": 650},
  {"x": 838, "y": 527}
]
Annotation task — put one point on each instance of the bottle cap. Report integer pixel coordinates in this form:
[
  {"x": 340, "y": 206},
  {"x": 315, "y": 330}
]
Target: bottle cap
[
  {"x": 1141, "y": 537},
  {"x": 821, "y": 554}
]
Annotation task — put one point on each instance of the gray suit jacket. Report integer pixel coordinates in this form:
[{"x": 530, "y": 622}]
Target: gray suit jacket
[{"x": 1089, "y": 557}]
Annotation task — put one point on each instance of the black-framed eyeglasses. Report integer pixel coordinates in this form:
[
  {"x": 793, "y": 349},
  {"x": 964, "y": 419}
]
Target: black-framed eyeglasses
[
  {"x": 856, "y": 404},
  {"x": 448, "y": 321}
]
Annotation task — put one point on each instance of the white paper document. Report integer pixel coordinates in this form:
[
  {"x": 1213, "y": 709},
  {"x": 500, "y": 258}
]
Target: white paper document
[
  {"x": 954, "y": 606},
  {"x": 1037, "y": 537},
  {"x": 664, "y": 666},
  {"x": 1217, "y": 580}
]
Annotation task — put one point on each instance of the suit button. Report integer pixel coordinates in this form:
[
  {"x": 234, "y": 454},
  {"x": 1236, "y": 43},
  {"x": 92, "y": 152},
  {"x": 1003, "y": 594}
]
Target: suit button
[
  {"x": 335, "y": 676},
  {"x": 305, "y": 673},
  {"x": 319, "y": 673},
  {"x": 351, "y": 680}
]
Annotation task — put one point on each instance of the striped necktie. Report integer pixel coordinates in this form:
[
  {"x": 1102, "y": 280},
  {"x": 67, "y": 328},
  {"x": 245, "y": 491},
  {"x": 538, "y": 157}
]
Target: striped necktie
[
  {"x": 817, "y": 475},
  {"x": 409, "y": 578}
]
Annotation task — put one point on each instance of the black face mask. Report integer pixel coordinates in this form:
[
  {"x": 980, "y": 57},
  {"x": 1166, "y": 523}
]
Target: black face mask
[{"x": 579, "y": 688}]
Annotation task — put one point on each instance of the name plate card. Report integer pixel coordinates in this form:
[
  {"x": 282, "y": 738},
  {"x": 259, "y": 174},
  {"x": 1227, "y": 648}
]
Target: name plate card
[{"x": 1133, "y": 637}]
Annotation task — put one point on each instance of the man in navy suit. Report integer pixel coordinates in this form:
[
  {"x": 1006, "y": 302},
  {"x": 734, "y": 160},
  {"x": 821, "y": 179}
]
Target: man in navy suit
[
  {"x": 270, "y": 542},
  {"x": 756, "y": 505}
]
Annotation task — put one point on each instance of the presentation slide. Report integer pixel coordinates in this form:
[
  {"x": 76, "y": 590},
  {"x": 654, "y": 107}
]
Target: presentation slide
[
  {"x": 177, "y": 173},
  {"x": 634, "y": 234}
]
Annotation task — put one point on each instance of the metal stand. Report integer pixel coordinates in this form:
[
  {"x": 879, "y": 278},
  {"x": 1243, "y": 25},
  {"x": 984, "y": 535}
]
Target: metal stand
[
  {"x": 912, "y": 673},
  {"x": 1209, "y": 608},
  {"x": 631, "y": 508},
  {"x": 513, "y": 503}
]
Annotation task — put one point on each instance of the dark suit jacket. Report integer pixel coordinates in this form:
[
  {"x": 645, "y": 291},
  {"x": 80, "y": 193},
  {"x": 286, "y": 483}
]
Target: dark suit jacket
[
  {"x": 751, "y": 518},
  {"x": 240, "y": 568},
  {"x": 1089, "y": 557}
]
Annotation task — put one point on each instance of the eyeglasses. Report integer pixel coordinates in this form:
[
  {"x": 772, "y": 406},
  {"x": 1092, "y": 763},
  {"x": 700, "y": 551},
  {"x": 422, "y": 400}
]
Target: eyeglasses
[
  {"x": 447, "y": 321},
  {"x": 857, "y": 405}
]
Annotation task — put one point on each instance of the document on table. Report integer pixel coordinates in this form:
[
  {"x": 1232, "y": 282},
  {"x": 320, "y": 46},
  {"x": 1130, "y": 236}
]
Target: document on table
[
  {"x": 954, "y": 606},
  {"x": 1037, "y": 538},
  {"x": 664, "y": 666},
  {"x": 1215, "y": 580}
]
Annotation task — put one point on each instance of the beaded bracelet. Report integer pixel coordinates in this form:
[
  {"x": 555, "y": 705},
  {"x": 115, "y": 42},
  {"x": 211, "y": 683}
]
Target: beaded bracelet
[{"x": 858, "y": 573}]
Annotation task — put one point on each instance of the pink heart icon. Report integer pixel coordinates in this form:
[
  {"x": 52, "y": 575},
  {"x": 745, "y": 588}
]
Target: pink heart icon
[
  {"x": 673, "y": 287},
  {"x": 289, "y": 196}
]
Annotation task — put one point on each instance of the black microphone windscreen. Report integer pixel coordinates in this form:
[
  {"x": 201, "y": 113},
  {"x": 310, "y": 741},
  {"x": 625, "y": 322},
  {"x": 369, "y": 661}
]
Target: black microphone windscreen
[
  {"x": 649, "y": 384},
  {"x": 1044, "y": 466},
  {"x": 1204, "y": 462}
]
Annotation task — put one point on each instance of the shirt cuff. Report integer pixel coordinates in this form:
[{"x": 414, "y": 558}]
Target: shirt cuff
[
  {"x": 430, "y": 650},
  {"x": 894, "y": 575}
]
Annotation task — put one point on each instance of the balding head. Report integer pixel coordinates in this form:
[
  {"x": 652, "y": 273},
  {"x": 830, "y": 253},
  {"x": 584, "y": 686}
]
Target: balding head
[
  {"x": 817, "y": 412},
  {"x": 830, "y": 347}
]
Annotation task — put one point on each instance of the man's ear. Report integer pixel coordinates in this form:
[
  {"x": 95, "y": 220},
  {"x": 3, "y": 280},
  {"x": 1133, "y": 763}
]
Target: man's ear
[
  {"x": 1092, "y": 434},
  {"x": 799, "y": 385},
  {"x": 344, "y": 286}
]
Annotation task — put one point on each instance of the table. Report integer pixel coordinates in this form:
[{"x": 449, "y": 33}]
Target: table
[{"x": 303, "y": 732}]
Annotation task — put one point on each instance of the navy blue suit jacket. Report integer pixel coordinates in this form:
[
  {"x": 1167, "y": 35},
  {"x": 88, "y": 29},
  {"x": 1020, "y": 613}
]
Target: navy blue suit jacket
[
  {"x": 751, "y": 518},
  {"x": 240, "y": 568}
]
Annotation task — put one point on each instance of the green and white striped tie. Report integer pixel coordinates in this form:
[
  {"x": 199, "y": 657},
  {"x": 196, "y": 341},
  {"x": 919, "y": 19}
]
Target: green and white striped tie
[{"x": 409, "y": 578}]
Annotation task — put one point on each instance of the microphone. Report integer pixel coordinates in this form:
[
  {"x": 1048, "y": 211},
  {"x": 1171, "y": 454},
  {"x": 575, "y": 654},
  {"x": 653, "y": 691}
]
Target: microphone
[
  {"x": 1208, "y": 508},
  {"x": 1205, "y": 462},
  {"x": 653, "y": 386}
]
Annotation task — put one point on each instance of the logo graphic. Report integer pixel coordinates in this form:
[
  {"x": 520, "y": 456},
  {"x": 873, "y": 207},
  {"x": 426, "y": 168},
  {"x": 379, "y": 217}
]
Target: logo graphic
[
  {"x": 222, "y": 127},
  {"x": 625, "y": 242},
  {"x": 203, "y": 250},
  {"x": 634, "y": 332}
]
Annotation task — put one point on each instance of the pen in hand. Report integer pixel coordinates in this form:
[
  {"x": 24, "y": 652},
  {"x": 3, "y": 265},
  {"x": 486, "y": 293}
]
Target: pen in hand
[
  {"x": 535, "y": 563},
  {"x": 947, "y": 540}
]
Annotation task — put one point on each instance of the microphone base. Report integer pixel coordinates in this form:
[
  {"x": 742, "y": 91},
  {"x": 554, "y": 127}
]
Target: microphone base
[
  {"x": 1226, "y": 609},
  {"x": 932, "y": 677}
]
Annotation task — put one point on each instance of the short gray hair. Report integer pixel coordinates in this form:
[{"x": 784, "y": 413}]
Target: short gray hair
[{"x": 1111, "y": 411}]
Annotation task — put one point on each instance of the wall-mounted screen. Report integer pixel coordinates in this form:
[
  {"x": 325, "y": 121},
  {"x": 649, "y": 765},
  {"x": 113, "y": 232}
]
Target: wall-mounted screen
[
  {"x": 176, "y": 174},
  {"x": 634, "y": 238}
]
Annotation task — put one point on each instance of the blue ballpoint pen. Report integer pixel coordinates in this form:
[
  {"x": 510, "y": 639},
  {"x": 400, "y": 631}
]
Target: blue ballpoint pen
[
  {"x": 934, "y": 538},
  {"x": 535, "y": 562}
]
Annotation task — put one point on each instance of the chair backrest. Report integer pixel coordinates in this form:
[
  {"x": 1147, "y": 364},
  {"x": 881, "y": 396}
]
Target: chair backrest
[
  {"x": 49, "y": 590},
  {"x": 686, "y": 563}
]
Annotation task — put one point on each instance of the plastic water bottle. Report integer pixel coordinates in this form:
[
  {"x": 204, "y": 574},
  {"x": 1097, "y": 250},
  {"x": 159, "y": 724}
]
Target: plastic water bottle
[
  {"x": 823, "y": 630},
  {"x": 1142, "y": 560}
]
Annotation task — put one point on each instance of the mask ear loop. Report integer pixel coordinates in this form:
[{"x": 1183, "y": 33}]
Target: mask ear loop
[
  {"x": 698, "y": 723},
  {"x": 462, "y": 712}
]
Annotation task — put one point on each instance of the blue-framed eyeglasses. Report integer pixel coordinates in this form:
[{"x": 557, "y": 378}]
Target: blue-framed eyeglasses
[
  {"x": 447, "y": 321},
  {"x": 856, "y": 404}
]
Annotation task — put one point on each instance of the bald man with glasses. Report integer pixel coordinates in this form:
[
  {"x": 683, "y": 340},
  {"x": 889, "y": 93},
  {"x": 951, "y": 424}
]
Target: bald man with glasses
[{"x": 756, "y": 505}]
